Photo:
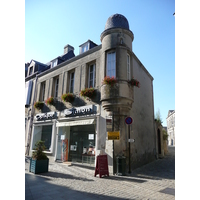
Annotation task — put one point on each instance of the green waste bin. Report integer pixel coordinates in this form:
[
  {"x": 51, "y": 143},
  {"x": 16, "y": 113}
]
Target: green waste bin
[{"x": 121, "y": 165}]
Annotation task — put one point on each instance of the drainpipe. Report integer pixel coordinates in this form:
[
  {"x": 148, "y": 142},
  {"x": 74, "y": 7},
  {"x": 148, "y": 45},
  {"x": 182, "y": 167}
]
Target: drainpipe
[{"x": 31, "y": 119}]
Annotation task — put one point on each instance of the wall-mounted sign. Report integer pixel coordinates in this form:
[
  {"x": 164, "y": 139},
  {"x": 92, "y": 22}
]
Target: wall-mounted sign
[
  {"x": 73, "y": 147},
  {"x": 83, "y": 110},
  {"x": 44, "y": 116},
  {"x": 113, "y": 135},
  {"x": 90, "y": 136},
  {"x": 131, "y": 140},
  {"x": 62, "y": 137}
]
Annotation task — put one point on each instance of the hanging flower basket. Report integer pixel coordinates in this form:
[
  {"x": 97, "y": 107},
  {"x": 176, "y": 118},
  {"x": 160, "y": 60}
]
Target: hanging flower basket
[
  {"x": 134, "y": 82},
  {"x": 109, "y": 80},
  {"x": 50, "y": 101},
  {"x": 38, "y": 105},
  {"x": 68, "y": 97},
  {"x": 88, "y": 92}
]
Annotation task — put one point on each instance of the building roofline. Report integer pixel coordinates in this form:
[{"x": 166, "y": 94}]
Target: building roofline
[
  {"x": 71, "y": 60},
  {"x": 141, "y": 65}
]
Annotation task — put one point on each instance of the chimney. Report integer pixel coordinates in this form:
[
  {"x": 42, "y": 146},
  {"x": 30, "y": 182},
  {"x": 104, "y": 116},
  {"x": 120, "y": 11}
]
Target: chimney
[{"x": 68, "y": 48}]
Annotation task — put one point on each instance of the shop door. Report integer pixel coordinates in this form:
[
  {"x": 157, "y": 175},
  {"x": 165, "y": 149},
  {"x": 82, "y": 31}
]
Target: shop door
[
  {"x": 62, "y": 144},
  {"x": 82, "y": 146}
]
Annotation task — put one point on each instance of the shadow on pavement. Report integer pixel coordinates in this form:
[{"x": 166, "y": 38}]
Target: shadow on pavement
[
  {"x": 40, "y": 188},
  {"x": 64, "y": 176},
  {"x": 123, "y": 178}
]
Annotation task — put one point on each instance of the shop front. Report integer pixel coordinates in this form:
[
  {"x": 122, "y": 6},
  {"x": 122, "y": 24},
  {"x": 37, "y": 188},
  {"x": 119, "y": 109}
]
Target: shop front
[
  {"x": 76, "y": 135},
  {"x": 44, "y": 128}
]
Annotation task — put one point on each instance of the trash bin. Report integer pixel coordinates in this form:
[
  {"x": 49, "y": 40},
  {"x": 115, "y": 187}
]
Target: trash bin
[{"x": 121, "y": 165}]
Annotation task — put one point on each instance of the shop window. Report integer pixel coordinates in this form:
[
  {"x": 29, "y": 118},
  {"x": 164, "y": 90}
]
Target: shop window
[
  {"x": 42, "y": 91},
  {"x": 91, "y": 76},
  {"x": 111, "y": 64},
  {"x": 43, "y": 133}
]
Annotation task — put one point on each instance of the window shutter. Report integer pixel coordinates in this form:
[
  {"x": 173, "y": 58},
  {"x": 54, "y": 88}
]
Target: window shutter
[{"x": 28, "y": 90}]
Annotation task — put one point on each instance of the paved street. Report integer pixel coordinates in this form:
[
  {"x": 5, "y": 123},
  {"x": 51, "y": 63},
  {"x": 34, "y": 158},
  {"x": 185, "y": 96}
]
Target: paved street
[{"x": 155, "y": 180}]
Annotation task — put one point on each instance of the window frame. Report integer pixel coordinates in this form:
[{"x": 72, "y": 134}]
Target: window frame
[
  {"x": 35, "y": 136},
  {"x": 42, "y": 89},
  {"x": 70, "y": 79},
  {"x": 54, "y": 63},
  {"x": 93, "y": 75},
  {"x": 30, "y": 70},
  {"x": 128, "y": 67},
  {"x": 109, "y": 65}
]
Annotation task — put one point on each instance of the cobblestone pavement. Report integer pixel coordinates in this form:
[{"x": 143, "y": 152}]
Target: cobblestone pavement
[{"x": 155, "y": 180}]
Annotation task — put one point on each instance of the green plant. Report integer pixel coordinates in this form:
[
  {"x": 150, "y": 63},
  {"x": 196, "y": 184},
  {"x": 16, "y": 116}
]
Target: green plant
[
  {"x": 109, "y": 80},
  {"x": 68, "y": 97},
  {"x": 158, "y": 117},
  {"x": 38, "y": 105},
  {"x": 38, "y": 154},
  {"x": 50, "y": 101},
  {"x": 134, "y": 82},
  {"x": 88, "y": 92},
  {"x": 165, "y": 135}
]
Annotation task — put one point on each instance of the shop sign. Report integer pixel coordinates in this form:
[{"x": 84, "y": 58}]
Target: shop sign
[
  {"x": 113, "y": 135},
  {"x": 62, "y": 137},
  {"x": 44, "y": 116},
  {"x": 79, "y": 110}
]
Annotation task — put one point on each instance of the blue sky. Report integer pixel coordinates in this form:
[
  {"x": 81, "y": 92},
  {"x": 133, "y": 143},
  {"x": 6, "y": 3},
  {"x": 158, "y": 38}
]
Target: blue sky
[{"x": 50, "y": 25}]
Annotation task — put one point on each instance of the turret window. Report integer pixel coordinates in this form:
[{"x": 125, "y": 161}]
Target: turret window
[
  {"x": 128, "y": 67},
  {"x": 111, "y": 64}
]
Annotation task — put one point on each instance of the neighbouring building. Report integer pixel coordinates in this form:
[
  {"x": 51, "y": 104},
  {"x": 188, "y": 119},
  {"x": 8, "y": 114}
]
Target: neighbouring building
[
  {"x": 76, "y": 130},
  {"x": 171, "y": 127}
]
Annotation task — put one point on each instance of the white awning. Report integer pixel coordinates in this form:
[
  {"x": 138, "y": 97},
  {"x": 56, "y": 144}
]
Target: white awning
[{"x": 75, "y": 123}]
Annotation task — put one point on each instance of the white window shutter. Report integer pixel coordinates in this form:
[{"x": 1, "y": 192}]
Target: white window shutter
[{"x": 28, "y": 90}]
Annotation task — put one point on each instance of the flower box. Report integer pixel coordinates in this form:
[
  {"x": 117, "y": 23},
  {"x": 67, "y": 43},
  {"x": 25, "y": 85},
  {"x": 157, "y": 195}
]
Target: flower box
[
  {"x": 68, "y": 97},
  {"x": 109, "y": 80},
  {"x": 50, "y": 101},
  {"x": 134, "y": 82},
  {"x": 38, "y": 105},
  {"x": 88, "y": 92}
]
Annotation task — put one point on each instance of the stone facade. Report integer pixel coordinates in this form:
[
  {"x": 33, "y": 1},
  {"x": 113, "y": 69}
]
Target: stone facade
[
  {"x": 116, "y": 102},
  {"x": 171, "y": 127}
]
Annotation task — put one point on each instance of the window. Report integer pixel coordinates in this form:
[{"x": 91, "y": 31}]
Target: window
[
  {"x": 71, "y": 83},
  {"x": 111, "y": 64},
  {"x": 55, "y": 87},
  {"x": 92, "y": 76},
  {"x": 43, "y": 133},
  {"x": 84, "y": 48},
  {"x": 42, "y": 91},
  {"x": 128, "y": 67},
  {"x": 30, "y": 71},
  {"x": 28, "y": 91},
  {"x": 54, "y": 63}
]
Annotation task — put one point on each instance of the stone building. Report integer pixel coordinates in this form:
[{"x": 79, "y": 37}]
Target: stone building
[
  {"x": 171, "y": 127},
  {"x": 76, "y": 131}
]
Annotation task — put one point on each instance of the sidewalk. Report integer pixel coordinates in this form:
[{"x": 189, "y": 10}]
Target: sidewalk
[{"x": 155, "y": 180}]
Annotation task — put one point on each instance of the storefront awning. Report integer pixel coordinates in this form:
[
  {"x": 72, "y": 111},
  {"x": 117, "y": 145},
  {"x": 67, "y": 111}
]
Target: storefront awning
[{"x": 75, "y": 123}]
